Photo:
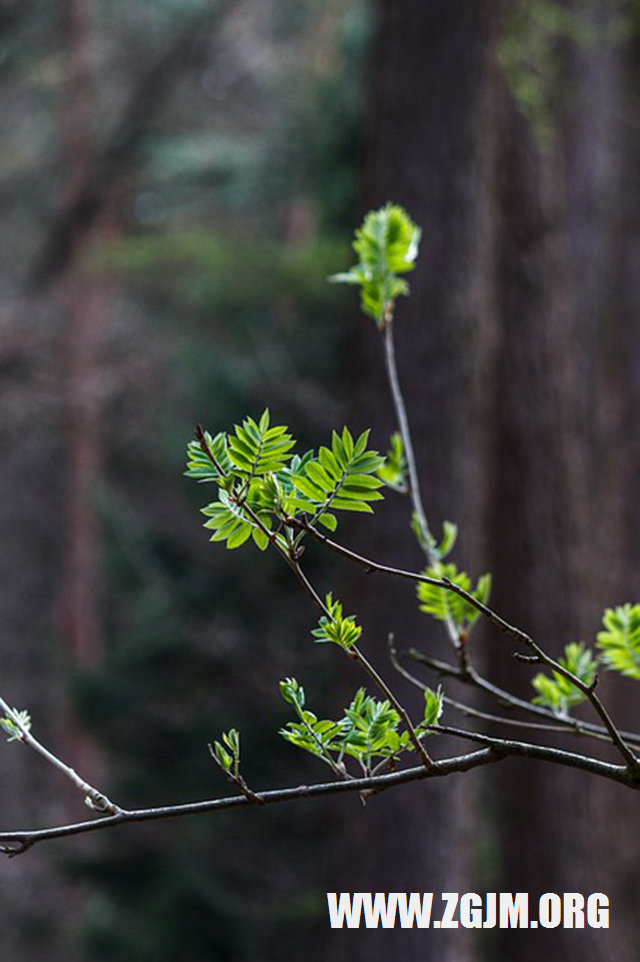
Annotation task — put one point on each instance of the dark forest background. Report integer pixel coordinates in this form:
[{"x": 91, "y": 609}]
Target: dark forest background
[{"x": 178, "y": 178}]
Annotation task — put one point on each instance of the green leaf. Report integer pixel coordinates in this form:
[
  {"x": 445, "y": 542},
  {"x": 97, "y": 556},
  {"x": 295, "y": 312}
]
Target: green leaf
[
  {"x": 328, "y": 520},
  {"x": 619, "y": 643},
  {"x": 292, "y": 692},
  {"x": 394, "y": 470},
  {"x": 223, "y": 758},
  {"x": 342, "y": 478},
  {"x": 13, "y": 731},
  {"x": 260, "y": 538},
  {"x": 557, "y": 692},
  {"x": 387, "y": 245},
  {"x": 433, "y": 706},
  {"x": 228, "y": 521},
  {"x": 306, "y": 486},
  {"x": 257, "y": 449},
  {"x": 444, "y": 604},
  {"x": 337, "y": 628},
  {"x": 449, "y": 537},
  {"x": 232, "y": 740},
  {"x": 200, "y": 465},
  {"x": 239, "y": 536}
]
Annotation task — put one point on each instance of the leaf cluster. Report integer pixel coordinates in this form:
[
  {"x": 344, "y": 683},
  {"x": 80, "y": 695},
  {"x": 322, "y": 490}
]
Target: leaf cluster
[
  {"x": 265, "y": 489},
  {"x": 387, "y": 245},
  {"x": 227, "y": 753},
  {"x": 368, "y": 731},
  {"x": 619, "y": 650},
  {"x": 619, "y": 643},
  {"x": 342, "y": 477},
  {"x": 394, "y": 470},
  {"x": 335, "y": 627},
  {"x": 557, "y": 692},
  {"x": 14, "y": 732},
  {"x": 445, "y": 605}
]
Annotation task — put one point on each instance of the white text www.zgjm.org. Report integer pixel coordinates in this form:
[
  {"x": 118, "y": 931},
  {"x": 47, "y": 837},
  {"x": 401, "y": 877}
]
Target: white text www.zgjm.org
[{"x": 451, "y": 910}]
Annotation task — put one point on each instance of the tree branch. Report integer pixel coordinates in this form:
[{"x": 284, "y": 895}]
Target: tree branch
[
  {"x": 14, "y": 843},
  {"x": 95, "y": 799},
  {"x": 426, "y": 538},
  {"x": 355, "y": 653},
  {"x": 471, "y": 677},
  {"x": 405, "y": 432},
  {"x": 509, "y": 629}
]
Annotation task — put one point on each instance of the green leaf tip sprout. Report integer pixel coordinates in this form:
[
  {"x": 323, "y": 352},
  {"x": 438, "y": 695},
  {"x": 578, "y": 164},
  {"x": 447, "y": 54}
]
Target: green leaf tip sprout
[{"x": 387, "y": 246}]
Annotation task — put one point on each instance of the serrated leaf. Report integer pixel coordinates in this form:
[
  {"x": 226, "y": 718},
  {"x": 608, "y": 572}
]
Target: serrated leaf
[
  {"x": 347, "y": 444},
  {"x": 557, "y": 692},
  {"x": 264, "y": 421},
  {"x": 619, "y": 643},
  {"x": 320, "y": 477},
  {"x": 393, "y": 471},
  {"x": 257, "y": 449},
  {"x": 346, "y": 504},
  {"x": 241, "y": 534},
  {"x": 12, "y": 730},
  {"x": 433, "y": 706},
  {"x": 444, "y": 604},
  {"x": 292, "y": 692},
  {"x": 329, "y": 463},
  {"x": 200, "y": 465},
  {"x": 335, "y": 627},
  {"x": 387, "y": 245},
  {"x": 306, "y": 486},
  {"x": 341, "y": 478},
  {"x": 449, "y": 537}
]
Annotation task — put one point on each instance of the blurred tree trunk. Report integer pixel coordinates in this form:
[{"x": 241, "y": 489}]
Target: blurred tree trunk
[
  {"x": 561, "y": 466},
  {"x": 432, "y": 149},
  {"x": 84, "y": 311},
  {"x": 34, "y": 524},
  {"x": 516, "y": 352},
  {"x": 84, "y": 306}
]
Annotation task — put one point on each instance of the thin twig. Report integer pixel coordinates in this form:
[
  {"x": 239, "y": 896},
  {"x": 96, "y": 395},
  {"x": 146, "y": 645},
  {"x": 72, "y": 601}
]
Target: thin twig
[
  {"x": 513, "y": 722},
  {"x": 236, "y": 779},
  {"x": 308, "y": 587},
  {"x": 358, "y": 656},
  {"x": 589, "y": 692},
  {"x": 96, "y": 800},
  {"x": 467, "y": 709},
  {"x": 355, "y": 653},
  {"x": 427, "y": 540},
  {"x": 405, "y": 432},
  {"x": 471, "y": 677},
  {"x": 527, "y": 749}
]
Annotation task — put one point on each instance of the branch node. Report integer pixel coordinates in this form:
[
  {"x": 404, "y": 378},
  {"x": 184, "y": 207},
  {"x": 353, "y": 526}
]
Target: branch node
[
  {"x": 12, "y": 850},
  {"x": 99, "y": 803}
]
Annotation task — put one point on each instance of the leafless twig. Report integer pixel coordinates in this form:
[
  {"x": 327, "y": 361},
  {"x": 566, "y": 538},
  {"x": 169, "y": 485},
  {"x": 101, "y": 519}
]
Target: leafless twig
[{"x": 94, "y": 799}]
